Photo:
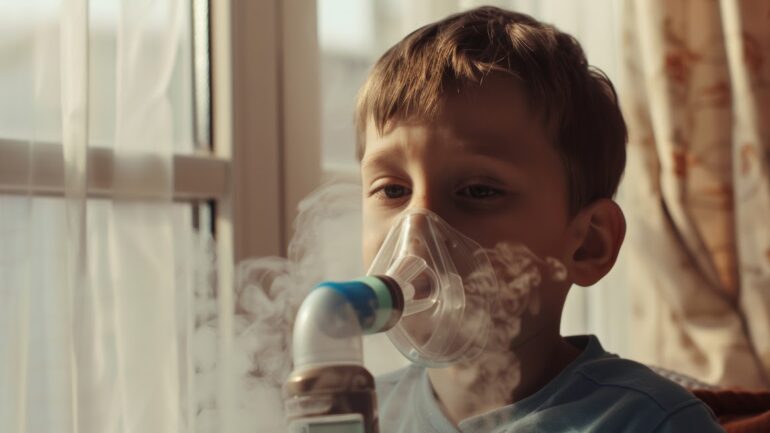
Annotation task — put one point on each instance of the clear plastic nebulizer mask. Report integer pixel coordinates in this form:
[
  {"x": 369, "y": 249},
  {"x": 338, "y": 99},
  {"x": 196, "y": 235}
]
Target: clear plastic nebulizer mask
[{"x": 448, "y": 285}]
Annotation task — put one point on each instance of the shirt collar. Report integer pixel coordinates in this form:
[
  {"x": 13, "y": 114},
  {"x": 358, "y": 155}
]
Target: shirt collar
[{"x": 430, "y": 412}]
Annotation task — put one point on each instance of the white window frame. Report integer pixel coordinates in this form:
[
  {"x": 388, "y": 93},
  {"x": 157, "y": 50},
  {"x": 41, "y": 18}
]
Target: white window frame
[
  {"x": 196, "y": 177},
  {"x": 268, "y": 131},
  {"x": 266, "y": 108}
]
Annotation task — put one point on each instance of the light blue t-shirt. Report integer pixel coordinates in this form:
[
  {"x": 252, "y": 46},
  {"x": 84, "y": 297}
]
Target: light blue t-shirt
[{"x": 597, "y": 392}]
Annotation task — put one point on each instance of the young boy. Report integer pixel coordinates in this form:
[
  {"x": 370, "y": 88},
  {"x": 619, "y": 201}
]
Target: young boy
[{"x": 496, "y": 123}]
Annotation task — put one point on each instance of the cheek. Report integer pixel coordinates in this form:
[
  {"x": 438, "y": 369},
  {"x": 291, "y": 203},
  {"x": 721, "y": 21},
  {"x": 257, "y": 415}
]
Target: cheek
[
  {"x": 540, "y": 230},
  {"x": 373, "y": 233},
  {"x": 511, "y": 228}
]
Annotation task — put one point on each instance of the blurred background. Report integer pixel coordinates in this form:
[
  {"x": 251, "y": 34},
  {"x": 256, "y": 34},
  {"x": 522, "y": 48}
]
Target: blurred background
[{"x": 149, "y": 147}]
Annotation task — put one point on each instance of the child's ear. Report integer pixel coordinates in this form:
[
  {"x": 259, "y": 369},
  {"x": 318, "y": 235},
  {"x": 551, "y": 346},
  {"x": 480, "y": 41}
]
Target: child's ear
[{"x": 597, "y": 234}]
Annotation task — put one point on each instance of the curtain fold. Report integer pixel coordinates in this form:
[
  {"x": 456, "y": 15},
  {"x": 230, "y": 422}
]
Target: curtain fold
[
  {"x": 73, "y": 323},
  {"x": 698, "y": 235},
  {"x": 747, "y": 36},
  {"x": 140, "y": 218}
]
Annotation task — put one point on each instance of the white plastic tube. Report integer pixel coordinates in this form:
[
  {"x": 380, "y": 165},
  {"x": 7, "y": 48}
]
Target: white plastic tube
[
  {"x": 327, "y": 331},
  {"x": 329, "y": 389}
]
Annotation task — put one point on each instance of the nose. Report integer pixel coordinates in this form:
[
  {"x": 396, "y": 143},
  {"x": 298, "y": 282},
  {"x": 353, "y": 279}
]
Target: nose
[
  {"x": 412, "y": 267},
  {"x": 413, "y": 234},
  {"x": 426, "y": 197}
]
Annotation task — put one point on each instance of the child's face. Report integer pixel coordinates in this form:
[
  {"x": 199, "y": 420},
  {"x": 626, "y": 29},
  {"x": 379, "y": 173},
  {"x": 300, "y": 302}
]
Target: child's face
[{"x": 485, "y": 165}]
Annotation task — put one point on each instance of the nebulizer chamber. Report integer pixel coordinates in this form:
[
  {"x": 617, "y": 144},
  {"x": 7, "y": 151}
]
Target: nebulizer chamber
[{"x": 429, "y": 288}]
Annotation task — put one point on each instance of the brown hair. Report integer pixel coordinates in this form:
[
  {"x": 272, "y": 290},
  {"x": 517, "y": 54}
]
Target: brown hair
[{"x": 578, "y": 102}]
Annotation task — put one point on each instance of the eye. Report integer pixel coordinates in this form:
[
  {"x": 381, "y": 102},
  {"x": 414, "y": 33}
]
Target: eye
[
  {"x": 392, "y": 192},
  {"x": 395, "y": 191},
  {"x": 479, "y": 192}
]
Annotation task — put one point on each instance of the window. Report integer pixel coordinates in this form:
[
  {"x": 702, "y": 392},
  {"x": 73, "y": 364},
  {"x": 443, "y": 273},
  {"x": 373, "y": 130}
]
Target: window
[{"x": 107, "y": 165}]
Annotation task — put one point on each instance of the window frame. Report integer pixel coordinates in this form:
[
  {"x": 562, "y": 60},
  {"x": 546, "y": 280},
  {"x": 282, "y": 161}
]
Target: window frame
[
  {"x": 36, "y": 168},
  {"x": 270, "y": 127}
]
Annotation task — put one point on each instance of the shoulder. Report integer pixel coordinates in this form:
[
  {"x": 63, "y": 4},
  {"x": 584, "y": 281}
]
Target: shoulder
[
  {"x": 633, "y": 393},
  {"x": 634, "y": 378}
]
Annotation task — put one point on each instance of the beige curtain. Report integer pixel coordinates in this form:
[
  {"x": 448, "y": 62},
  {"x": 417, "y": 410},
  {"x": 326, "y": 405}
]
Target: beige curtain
[{"x": 697, "y": 102}]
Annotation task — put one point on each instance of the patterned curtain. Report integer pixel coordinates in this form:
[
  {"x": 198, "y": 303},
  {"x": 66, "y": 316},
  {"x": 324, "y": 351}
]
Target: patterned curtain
[{"x": 697, "y": 101}]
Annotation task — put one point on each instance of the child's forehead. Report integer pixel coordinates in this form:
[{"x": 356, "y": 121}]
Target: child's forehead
[
  {"x": 497, "y": 102},
  {"x": 442, "y": 142},
  {"x": 493, "y": 109},
  {"x": 490, "y": 119}
]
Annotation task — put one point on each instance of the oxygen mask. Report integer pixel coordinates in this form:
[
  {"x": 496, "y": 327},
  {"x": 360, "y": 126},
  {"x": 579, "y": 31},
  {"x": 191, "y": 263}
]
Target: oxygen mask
[{"x": 448, "y": 285}]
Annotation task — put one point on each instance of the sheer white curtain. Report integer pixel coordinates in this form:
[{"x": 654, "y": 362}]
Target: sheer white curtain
[{"x": 97, "y": 295}]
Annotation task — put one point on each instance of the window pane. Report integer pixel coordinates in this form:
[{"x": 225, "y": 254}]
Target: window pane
[
  {"x": 352, "y": 35},
  {"x": 347, "y": 41},
  {"x": 30, "y": 73}
]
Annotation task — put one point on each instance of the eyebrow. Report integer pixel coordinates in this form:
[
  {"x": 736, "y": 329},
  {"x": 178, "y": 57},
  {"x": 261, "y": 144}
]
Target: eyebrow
[
  {"x": 382, "y": 157},
  {"x": 496, "y": 145}
]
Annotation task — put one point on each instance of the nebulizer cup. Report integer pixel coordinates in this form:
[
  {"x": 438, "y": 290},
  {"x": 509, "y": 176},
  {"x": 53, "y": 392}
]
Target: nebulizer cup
[{"x": 430, "y": 288}]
